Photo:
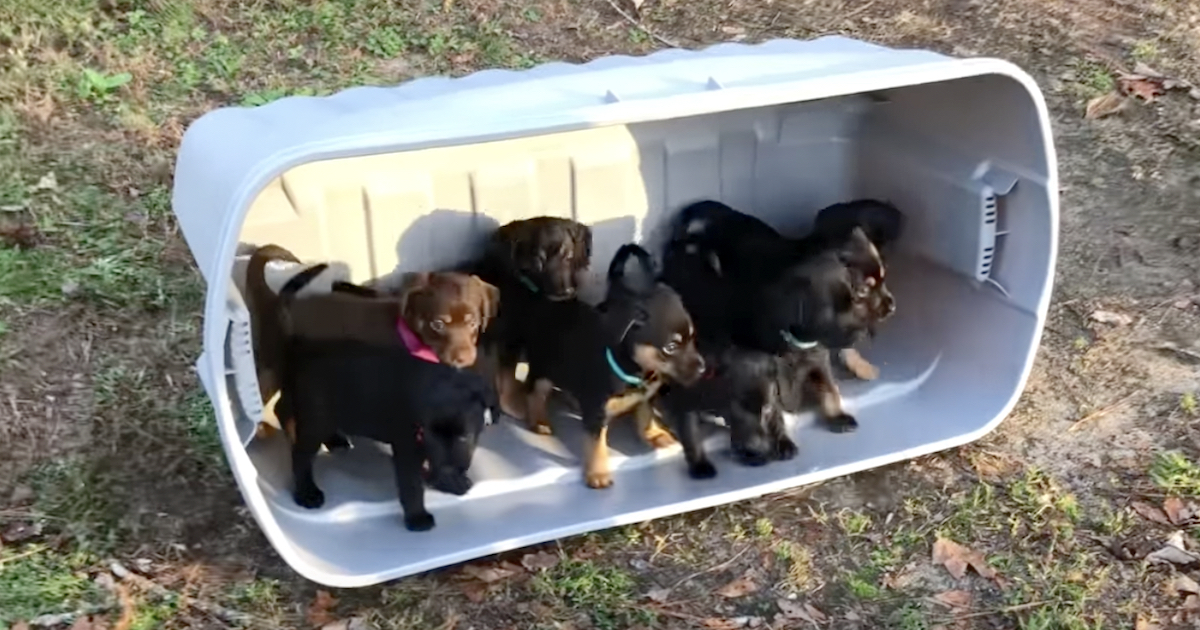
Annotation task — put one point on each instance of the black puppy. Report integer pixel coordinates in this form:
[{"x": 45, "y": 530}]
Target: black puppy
[
  {"x": 752, "y": 254},
  {"x": 530, "y": 261},
  {"x": 611, "y": 358},
  {"x": 431, "y": 415}
]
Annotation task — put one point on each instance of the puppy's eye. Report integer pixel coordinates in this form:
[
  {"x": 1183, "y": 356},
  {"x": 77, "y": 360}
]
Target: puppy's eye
[
  {"x": 472, "y": 323},
  {"x": 437, "y": 325},
  {"x": 670, "y": 348}
]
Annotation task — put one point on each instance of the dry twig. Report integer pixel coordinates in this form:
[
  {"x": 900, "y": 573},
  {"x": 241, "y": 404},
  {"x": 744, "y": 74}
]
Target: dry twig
[{"x": 642, "y": 27}]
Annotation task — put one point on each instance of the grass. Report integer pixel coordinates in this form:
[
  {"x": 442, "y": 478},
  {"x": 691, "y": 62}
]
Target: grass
[
  {"x": 605, "y": 593},
  {"x": 94, "y": 97},
  {"x": 1176, "y": 473},
  {"x": 36, "y": 581}
]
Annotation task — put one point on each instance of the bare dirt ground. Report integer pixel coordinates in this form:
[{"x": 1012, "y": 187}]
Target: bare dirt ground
[{"x": 1062, "y": 519}]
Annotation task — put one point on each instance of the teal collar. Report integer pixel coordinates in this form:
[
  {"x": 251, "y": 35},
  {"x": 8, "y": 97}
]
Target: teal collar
[
  {"x": 622, "y": 374},
  {"x": 796, "y": 343},
  {"x": 527, "y": 282}
]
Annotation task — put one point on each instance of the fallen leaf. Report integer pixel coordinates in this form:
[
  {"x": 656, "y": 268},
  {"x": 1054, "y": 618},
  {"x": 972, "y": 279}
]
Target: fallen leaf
[
  {"x": 1109, "y": 317},
  {"x": 488, "y": 574},
  {"x": 475, "y": 591},
  {"x": 794, "y": 610},
  {"x": 852, "y": 616},
  {"x": 1105, "y": 105},
  {"x": 1178, "y": 511},
  {"x": 954, "y": 599},
  {"x": 738, "y": 588},
  {"x": 82, "y": 622},
  {"x": 1191, "y": 602},
  {"x": 815, "y": 614},
  {"x": 318, "y": 613},
  {"x": 1184, "y": 585},
  {"x": 21, "y": 236},
  {"x": 1141, "y": 86},
  {"x": 1174, "y": 552},
  {"x": 539, "y": 561},
  {"x": 956, "y": 558},
  {"x": 1150, "y": 513},
  {"x": 659, "y": 595},
  {"x": 1144, "y": 623},
  {"x": 637, "y": 5},
  {"x": 20, "y": 625},
  {"x": 341, "y": 624}
]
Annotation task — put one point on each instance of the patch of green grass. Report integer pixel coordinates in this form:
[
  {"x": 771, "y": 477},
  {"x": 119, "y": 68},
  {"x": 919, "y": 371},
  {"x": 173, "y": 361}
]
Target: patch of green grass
[
  {"x": 854, "y": 523},
  {"x": 1188, "y": 404},
  {"x": 77, "y": 495},
  {"x": 910, "y": 616},
  {"x": 258, "y": 594},
  {"x": 154, "y": 614},
  {"x": 37, "y": 581},
  {"x": 801, "y": 575},
  {"x": 605, "y": 592},
  {"x": 1145, "y": 50},
  {"x": 862, "y": 586},
  {"x": 1176, "y": 473},
  {"x": 763, "y": 527},
  {"x": 1096, "y": 78}
]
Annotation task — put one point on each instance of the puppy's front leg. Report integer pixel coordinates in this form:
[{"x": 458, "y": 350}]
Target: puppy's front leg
[
  {"x": 538, "y": 414},
  {"x": 306, "y": 494},
  {"x": 858, "y": 366},
  {"x": 821, "y": 389},
  {"x": 407, "y": 461},
  {"x": 651, "y": 430},
  {"x": 688, "y": 426},
  {"x": 596, "y": 473},
  {"x": 783, "y": 446}
]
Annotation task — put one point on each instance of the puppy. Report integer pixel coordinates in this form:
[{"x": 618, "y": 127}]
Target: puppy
[
  {"x": 442, "y": 313},
  {"x": 775, "y": 299},
  {"x": 430, "y": 413},
  {"x": 882, "y": 224},
  {"x": 531, "y": 261},
  {"x": 752, "y": 253},
  {"x": 545, "y": 255},
  {"x": 611, "y": 358}
]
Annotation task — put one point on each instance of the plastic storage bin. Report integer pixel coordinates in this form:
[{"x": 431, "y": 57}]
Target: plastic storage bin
[{"x": 412, "y": 177}]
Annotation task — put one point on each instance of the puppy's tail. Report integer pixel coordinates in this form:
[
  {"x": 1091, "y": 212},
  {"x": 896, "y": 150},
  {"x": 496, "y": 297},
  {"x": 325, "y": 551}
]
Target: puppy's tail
[{"x": 618, "y": 269}]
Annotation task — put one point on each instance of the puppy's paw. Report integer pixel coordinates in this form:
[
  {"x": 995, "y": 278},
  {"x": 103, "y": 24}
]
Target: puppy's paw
[
  {"x": 785, "y": 448},
  {"x": 598, "y": 480},
  {"x": 864, "y": 371},
  {"x": 661, "y": 440},
  {"x": 541, "y": 428},
  {"x": 457, "y": 484},
  {"x": 749, "y": 457},
  {"x": 702, "y": 469},
  {"x": 419, "y": 522},
  {"x": 311, "y": 498},
  {"x": 842, "y": 423}
]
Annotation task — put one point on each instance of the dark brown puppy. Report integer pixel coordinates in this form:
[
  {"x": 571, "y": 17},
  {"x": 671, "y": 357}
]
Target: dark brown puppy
[
  {"x": 612, "y": 358},
  {"x": 531, "y": 261}
]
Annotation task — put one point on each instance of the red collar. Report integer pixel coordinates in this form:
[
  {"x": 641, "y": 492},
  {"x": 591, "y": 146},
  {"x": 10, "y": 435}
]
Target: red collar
[{"x": 414, "y": 344}]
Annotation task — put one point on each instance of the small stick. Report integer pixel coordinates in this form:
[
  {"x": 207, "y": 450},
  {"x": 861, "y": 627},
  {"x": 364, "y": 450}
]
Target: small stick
[
  {"x": 220, "y": 612},
  {"x": 35, "y": 550},
  {"x": 999, "y": 611},
  {"x": 634, "y": 21},
  {"x": 1100, "y": 412},
  {"x": 711, "y": 569}
]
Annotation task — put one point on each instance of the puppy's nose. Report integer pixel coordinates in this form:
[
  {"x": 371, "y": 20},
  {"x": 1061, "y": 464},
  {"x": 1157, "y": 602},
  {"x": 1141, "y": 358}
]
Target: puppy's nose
[
  {"x": 700, "y": 367},
  {"x": 462, "y": 359}
]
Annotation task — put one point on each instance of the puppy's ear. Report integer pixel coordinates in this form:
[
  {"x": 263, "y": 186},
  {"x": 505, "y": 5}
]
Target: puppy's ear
[
  {"x": 411, "y": 284},
  {"x": 582, "y": 235},
  {"x": 490, "y": 300}
]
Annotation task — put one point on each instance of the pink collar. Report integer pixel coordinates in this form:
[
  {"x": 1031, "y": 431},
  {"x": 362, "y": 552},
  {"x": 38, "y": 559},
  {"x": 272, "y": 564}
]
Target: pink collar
[{"x": 414, "y": 343}]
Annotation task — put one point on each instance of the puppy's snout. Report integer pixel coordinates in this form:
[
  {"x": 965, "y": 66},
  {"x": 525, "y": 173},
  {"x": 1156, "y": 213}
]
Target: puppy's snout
[
  {"x": 461, "y": 357},
  {"x": 701, "y": 367}
]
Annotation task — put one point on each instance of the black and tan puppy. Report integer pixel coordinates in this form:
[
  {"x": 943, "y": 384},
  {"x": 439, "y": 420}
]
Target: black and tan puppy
[
  {"x": 612, "y": 358},
  {"x": 429, "y": 413}
]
